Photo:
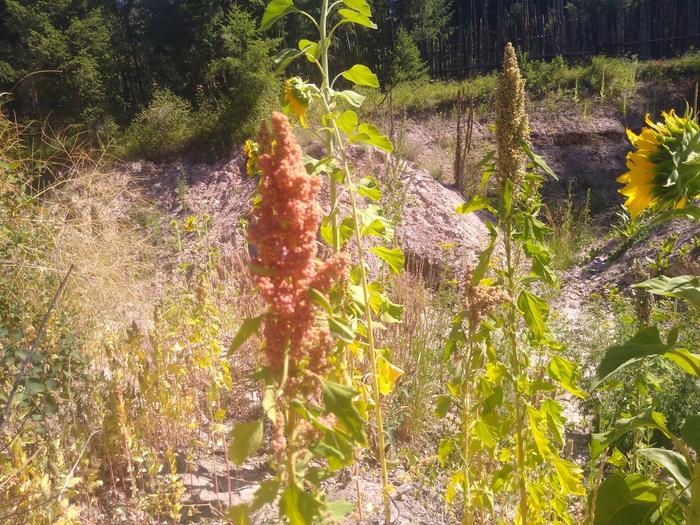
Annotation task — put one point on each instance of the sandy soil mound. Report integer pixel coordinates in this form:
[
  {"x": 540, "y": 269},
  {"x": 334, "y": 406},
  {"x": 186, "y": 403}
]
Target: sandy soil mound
[{"x": 430, "y": 232}]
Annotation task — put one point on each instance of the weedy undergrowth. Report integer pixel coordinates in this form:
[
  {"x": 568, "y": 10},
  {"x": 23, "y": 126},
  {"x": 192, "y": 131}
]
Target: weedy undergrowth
[{"x": 662, "y": 180}]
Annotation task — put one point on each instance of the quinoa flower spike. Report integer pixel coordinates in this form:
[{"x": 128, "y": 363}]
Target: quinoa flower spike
[
  {"x": 664, "y": 167},
  {"x": 284, "y": 229},
  {"x": 512, "y": 126}
]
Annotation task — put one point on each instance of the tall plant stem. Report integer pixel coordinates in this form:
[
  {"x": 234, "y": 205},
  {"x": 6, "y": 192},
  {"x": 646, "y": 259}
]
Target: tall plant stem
[
  {"x": 373, "y": 359},
  {"x": 466, "y": 423},
  {"x": 523, "y": 509},
  {"x": 325, "y": 45},
  {"x": 333, "y": 137},
  {"x": 370, "y": 332}
]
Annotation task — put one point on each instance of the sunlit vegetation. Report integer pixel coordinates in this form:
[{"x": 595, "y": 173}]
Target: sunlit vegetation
[{"x": 319, "y": 370}]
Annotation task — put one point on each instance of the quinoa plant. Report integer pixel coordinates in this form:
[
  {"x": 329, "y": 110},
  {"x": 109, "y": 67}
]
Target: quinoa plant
[
  {"x": 507, "y": 359},
  {"x": 362, "y": 304},
  {"x": 311, "y": 417}
]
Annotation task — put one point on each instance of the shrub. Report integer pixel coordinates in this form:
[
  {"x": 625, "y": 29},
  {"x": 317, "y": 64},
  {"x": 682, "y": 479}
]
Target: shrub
[
  {"x": 611, "y": 76},
  {"x": 542, "y": 76},
  {"x": 166, "y": 127}
]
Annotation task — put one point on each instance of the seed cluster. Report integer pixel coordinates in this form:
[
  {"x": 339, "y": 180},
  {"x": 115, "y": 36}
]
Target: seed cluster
[
  {"x": 479, "y": 300},
  {"x": 511, "y": 119},
  {"x": 284, "y": 231}
]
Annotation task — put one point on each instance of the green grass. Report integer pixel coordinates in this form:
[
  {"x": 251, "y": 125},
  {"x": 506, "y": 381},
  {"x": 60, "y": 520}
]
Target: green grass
[{"x": 601, "y": 77}]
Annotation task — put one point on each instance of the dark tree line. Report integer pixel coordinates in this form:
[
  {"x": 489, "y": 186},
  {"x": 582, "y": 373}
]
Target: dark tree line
[
  {"x": 100, "y": 62},
  {"x": 571, "y": 28}
]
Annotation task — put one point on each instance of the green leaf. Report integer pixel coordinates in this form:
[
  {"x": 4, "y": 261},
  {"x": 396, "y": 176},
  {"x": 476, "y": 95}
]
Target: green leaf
[
  {"x": 477, "y": 203},
  {"x": 613, "y": 494},
  {"x": 361, "y": 75},
  {"x": 672, "y": 461},
  {"x": 246, "y": 439},
  {"x": 361, "y": 6},
  {"x": 537, "y": 160},
  {"x": 647, "y": 419},
  {"x": 394, "y": 257},
  {"x": 340, "y": 329},
  {"x": 507, "y": 196},
  {"x": 542, "y": 442},
  {"x": 690, "y": 212},
  {"x": 444, "y": 449},
  {"x": 374, "y": 223},
  {"x": 287, "y": 56},
  {"x": 535, "y": 310},
  {"x": 566, "y": 374},
  {"x": 555, "y": 422},
  {"x": 369, "y": 187},
  {"x": 347, "y": 122},
  {"x": 369, "y": 134},
  {"x": 299, "y": 507},
  {"x": 482, "y": 432},
  {"x": 570, "y": 476},
  {"x": 340, "y": 509},
  {"x": 690, "y": 432},
  {"x": 485, "y": 256},
  {"x": 275, "y": 10},
  {"x": 239, "y": 514},
  {"x": 684, "y": 287},
  {"x": 321, "y": 300},
  {"x": 310, "y": 49},
  {"x": 249, "y": 327},
  {"x": 646, "y": 343},
  {"x": 542, "y": 269},
  {"x": 35, "y": 387},
  {"x": 689, "y": 362},
  {"x": 269, "y": 404},
  {"x": 357, "y": 18},
  {"x": 635, "y": 513},
  {"x": 266, "y": 493},
  {"x": 337, "y": 399},
  {"x": 442, "y": 406},
  {"x": 351, "y": 97},
  {"x": 336, "y": 448}
]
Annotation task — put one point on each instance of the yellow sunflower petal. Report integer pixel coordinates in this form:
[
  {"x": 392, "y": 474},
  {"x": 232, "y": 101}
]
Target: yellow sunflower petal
[{"x": 637, "y": 203}]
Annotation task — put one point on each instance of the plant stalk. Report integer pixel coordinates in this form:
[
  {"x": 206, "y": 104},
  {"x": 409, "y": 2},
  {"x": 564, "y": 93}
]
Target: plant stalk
[
  {"x": 466, "y": 423},
  {"x": 373, "y": 360},
  {"x": 330, "y": 146},
  {"x": 523, "y": 509}
]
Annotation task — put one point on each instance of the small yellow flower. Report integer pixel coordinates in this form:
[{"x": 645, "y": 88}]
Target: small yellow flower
[
  {"x": 663, "y": 169},
  {"x": 251, "y": 150},
  {"x": 296, "y": 94}
]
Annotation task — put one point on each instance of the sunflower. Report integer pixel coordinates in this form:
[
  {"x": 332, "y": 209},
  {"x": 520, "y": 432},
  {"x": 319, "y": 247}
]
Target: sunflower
[
  {"x": 251, "y": 150},
  {"x": 297, "y": 97},
  {"x": 664, "y": 167}
]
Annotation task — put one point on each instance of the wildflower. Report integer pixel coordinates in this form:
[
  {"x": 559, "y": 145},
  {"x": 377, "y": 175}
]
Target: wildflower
[
  {"x": 251, "y": 150},
  {"x": 511, "y": 119},
  {"x": 297, "y": 96},
  {"x": 663, "y": 168},
  {"x": 284, "y": 231}
]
